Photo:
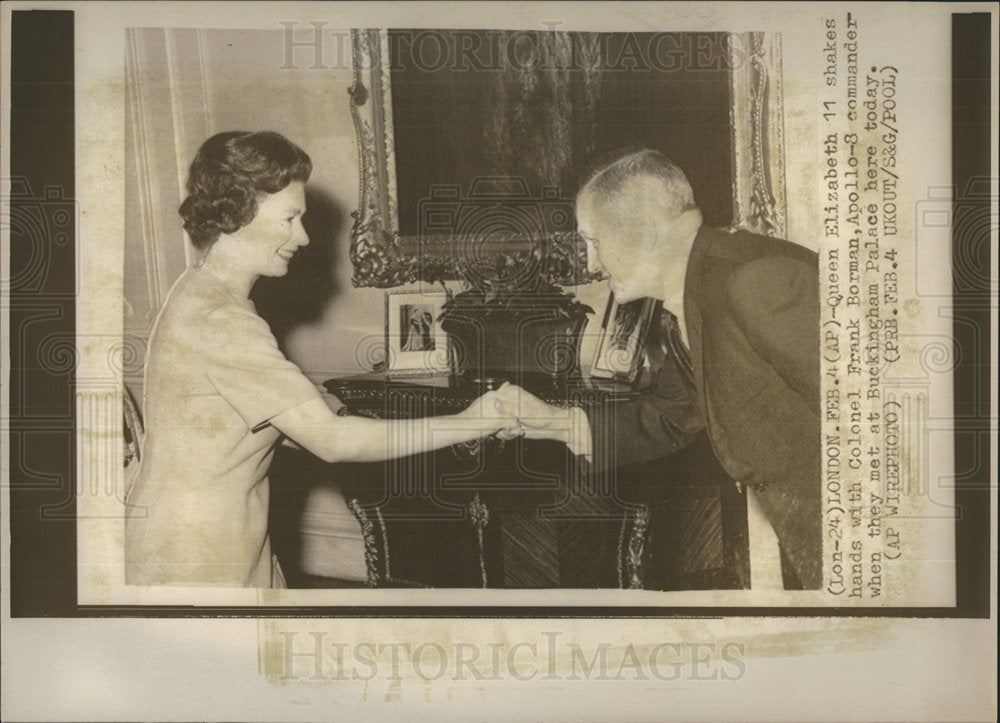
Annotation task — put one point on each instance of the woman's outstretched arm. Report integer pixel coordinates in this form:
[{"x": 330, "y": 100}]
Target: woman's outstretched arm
[{"x": 333, "y": 438}]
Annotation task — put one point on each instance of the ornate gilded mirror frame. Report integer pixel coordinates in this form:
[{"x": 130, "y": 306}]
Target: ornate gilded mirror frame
[
  {"x": 381, "y": 257},
  {"x": 758, "y": 133}
]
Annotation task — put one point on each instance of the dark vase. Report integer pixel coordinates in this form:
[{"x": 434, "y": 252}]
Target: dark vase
[{"x": 538, "y": 336}]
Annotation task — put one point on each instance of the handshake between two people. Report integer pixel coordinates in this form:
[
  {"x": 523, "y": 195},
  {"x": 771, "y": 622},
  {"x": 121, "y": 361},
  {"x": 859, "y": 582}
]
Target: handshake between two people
[{"x": 510, "y": 411}]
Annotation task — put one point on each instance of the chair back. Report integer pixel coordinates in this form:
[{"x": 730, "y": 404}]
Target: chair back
[{"x": 133, "y": 433}]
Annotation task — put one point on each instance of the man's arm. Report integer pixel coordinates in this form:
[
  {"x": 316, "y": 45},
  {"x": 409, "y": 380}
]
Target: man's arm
[{"x": 663, "y": 420}]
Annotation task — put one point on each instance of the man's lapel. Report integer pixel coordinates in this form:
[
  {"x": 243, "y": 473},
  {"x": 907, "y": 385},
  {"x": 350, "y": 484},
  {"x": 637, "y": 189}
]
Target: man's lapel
[{"x": 692, "y": 313}]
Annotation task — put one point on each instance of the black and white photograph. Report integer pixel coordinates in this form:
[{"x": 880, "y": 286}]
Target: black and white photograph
[
  {"x": 418, "y": 320},
  {"x": 509, "y": 208},
  {"x": 374, "y": 358},
  {"x": 415, "y": 342}
]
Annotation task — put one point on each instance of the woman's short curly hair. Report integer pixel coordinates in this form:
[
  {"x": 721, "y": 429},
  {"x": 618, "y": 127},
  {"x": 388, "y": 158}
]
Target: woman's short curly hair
[{"x": 231, "y": 172}]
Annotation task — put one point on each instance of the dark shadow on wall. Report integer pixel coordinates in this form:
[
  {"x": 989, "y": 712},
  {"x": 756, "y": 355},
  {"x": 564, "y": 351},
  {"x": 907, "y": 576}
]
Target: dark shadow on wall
[{"x": 301, "y": 296}]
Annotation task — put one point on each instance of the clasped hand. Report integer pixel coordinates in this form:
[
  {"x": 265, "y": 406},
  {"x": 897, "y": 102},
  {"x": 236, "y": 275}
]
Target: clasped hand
[{"x": 511, "y": 412}]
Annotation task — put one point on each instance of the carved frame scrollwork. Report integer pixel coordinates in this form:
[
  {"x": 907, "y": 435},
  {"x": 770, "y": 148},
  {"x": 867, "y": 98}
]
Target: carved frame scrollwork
[
  {"x": 758, "y": 133},
  {"x": 375, "y": 232},
  {"x": 384, "y": 258}
]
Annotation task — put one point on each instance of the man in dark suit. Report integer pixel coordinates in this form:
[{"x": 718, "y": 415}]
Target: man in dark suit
[{"x": 747, "y": 307}]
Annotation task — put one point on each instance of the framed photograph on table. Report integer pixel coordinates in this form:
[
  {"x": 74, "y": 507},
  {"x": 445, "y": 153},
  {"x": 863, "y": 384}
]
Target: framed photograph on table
[
  {"x": 620, "y": 348},
  {"x": 415, "y": 343}
]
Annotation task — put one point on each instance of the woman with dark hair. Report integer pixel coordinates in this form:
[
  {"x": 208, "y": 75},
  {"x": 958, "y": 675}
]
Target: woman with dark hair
[{"x": 219, "y": 394}]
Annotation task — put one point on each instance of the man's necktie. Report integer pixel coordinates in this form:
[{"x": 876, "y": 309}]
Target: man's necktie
[{"x": 666, "y": 346}]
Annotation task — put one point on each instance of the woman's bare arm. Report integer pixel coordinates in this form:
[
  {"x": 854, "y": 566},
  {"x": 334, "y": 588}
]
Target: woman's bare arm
[{"x": 333, "y": 438}]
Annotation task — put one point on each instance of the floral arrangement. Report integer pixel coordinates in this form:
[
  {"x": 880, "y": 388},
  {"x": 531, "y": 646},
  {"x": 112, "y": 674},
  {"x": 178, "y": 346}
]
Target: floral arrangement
[{"x": 506, "y": 279}]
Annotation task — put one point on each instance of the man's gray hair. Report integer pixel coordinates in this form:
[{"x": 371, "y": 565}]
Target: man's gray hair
[{"x": 609, "y": 178}]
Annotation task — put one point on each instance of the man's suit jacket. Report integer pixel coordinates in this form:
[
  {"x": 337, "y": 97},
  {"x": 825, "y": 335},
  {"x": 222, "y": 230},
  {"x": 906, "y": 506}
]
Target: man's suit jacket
[{"x": 751, "y": 308}]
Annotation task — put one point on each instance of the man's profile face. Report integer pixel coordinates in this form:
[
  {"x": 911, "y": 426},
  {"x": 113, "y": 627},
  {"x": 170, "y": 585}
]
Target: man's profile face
[{"x": 614, "y": 232}]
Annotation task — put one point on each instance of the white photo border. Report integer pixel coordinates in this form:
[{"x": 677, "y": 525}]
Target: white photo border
[{"x": 401, "y": 362}]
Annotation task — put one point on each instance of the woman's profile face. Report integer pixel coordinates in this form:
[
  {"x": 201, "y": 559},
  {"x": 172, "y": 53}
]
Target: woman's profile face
[{"x": 275, "y": 233}]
